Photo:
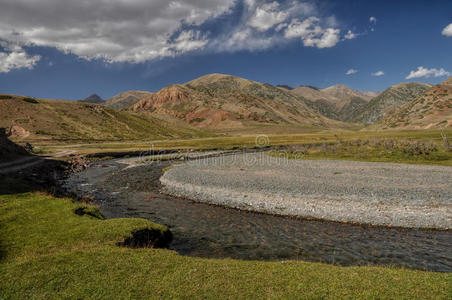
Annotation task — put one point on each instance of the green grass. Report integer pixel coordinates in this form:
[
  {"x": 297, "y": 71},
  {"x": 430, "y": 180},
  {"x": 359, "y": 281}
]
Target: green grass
[
  {"x": 238, "y": 141},
  {"x": 376, "y": 150},
  {"x": 47, "y": 251}
]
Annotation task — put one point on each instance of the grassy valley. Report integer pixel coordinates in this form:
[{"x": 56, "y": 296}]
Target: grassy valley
[{"x": 63, "y": 246}]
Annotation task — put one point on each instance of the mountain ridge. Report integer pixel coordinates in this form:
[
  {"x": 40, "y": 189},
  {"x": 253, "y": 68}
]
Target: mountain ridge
[
  {"x": 388, "y": 101},
  {"x": 126, "y": 99},
  {"x": 221, "y": 101},
  {"x": 430, "y": 109}
]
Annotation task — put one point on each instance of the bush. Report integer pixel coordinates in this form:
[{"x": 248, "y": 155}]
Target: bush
[{"x": 30, "y": 100}]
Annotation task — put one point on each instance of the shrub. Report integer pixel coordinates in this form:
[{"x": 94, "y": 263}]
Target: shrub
[{"x": 30, "y": 100}]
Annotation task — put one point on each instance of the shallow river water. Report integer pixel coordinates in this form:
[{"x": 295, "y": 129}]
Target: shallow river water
[{"x": 211, "y": 231}]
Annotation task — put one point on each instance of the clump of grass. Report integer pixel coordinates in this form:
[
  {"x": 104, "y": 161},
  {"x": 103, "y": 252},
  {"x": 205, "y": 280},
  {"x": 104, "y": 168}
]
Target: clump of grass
[{"x": 89, "y": 210}]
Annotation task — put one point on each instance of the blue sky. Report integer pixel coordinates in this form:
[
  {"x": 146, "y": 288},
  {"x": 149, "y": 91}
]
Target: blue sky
[{"x": 62, "y": 49}]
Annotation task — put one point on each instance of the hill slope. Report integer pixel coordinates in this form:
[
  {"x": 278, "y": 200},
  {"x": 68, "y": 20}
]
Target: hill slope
[
  {"x": 218, "y": 101},
  {"x": 431, "y": 109},
  {"x": 344, "y": 93},
  {"x": 338, "y": 102},
  {"x": 73, "y": 120},
  {"x": 388, "y": 101},
  {"x": 126, "y": 99}
]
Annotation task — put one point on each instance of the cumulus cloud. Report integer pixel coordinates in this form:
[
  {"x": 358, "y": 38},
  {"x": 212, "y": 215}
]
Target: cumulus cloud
[
  {"x": 113, "y": 30},
  {"x": 140, "y": 30},
  {"x": 267, "y": 16},
  {"x": 17, "y": 59},
  {"x": 447, "y": 31},
  {"x": 425, "y": 72},
  {"x": 351, "y": 72},
  {"x": 312, "y": 34},
  {"x": 378, "y": 73}
]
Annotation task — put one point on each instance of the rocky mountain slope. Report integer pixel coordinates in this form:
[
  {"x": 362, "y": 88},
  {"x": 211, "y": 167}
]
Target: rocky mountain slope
[
  {"x": 126, "y": 99},
  {"x": 344, "y": 94},
  {"x": 388, "y": 101},
  {"x": 59, "y": 120},
  {"x": 218, "y": 101},
  {"x": 94, "y": 98},
  {"x": 431, "y": 109},
  {"x": 338, "y": 102}
]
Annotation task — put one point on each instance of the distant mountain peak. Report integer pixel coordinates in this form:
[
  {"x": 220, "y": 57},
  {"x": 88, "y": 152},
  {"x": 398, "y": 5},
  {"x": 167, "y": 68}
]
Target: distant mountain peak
[
  {"x": 94, "y": 98},
  {"x": 126, "y": 99}
]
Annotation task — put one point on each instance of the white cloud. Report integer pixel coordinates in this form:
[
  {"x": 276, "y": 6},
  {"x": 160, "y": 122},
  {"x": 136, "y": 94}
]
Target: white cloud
[
  {"x": 312, "y": 34},
  {"x": 424, "y": 72},
  {"x": 267, "y": 16},
  {"x": 17, "y": 59},
  {"x": 447, "y": 31},
  {"x": 378, "y": 73},
  {"x": 113, "y": 30},
  {"x": 351, "y": 72},
  {"x": 292, "y": 19},
  {"x": 350, "y": 35},
  {"x": 140, "y": 30},
  {"x": 373, "y": 20}
]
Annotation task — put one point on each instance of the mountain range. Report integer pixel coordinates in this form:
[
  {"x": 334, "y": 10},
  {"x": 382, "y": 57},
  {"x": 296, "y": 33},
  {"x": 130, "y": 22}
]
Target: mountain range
[
  {"x": 224, "y": 104},
  {"x": 337, "y": 102},
  {"x": 218, "y": 101}
]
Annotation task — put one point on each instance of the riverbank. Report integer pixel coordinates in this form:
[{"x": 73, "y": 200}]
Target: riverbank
[
  {"x": 64, "y": 255},
  {"x": 385, "y": 194},
  {"x": 131, "y": 188}
]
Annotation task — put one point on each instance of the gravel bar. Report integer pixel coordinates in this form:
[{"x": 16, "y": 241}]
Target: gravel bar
[{"x": 387, "y": 194}]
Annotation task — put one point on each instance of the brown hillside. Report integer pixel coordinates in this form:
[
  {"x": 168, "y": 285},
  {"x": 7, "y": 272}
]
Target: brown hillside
[
  {"x": 337, "y": 102},
  {"x": 220, "y": 101},
  {"x": 61, "y": 120},
  {"x": 126, "y": 99},
  {"x": 432, "y": 109}
]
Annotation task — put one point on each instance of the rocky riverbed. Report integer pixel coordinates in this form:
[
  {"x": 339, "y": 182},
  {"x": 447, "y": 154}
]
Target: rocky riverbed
[
  {"x": 125, "y": 188},
  {"x": 387, "y": 194}
]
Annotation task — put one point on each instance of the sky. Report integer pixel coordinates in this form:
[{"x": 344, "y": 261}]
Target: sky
[{"x": 66, "y": 49}]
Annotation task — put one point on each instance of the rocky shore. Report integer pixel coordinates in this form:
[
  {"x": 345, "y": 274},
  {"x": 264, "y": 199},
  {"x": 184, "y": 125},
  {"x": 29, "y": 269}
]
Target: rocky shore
[{"x": 386, "y": 194}]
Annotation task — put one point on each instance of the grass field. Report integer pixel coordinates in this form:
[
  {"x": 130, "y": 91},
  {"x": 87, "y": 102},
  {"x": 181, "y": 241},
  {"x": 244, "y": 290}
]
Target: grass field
[
  {"x": 418, "y": 151},
  {"x": 239, "y": 141},
  {"x": 47, "y": 251}
]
